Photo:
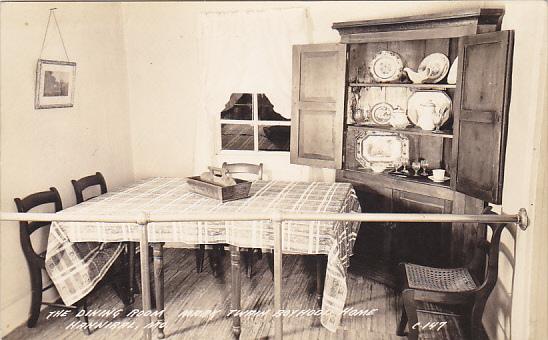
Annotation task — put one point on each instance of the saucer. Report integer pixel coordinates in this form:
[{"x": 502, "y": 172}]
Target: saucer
[{"x": 438, "y": 181}]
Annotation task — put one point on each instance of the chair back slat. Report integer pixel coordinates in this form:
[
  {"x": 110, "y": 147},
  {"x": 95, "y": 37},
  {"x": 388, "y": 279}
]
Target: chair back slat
[
  {"x": 86, "y": 182},
  {"x": 44, "y": 197},
  {"x": 244, "y": 168}
]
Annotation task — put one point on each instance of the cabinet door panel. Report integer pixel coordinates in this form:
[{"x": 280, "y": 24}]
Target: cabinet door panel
[
  {"x": 316, "y": 69},
  {"x": 318, "y": 105},
  {"x": 481, "y": 114},
  {"x": 422, "y": 243},
  {"x": 317, "y": 136}
]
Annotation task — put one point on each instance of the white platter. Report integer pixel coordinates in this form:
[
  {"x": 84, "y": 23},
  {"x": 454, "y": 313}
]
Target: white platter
[
  {"x": 439, "y": 98},
  {"x": 386, "y": 66},
  {"x": 436, "y": 66},
  {"x": 377, "y": 150}
]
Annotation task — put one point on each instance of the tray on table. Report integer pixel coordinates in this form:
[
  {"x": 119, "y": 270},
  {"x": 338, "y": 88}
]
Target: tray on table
[{"x": 215, "y": 190}]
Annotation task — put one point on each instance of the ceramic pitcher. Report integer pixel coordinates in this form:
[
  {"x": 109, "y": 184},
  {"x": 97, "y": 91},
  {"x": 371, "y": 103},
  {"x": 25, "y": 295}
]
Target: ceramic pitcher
[{"x": 426, "y": 114}]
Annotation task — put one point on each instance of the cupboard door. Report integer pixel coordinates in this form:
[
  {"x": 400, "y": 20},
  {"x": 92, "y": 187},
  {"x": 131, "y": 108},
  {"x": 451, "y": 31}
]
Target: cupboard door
[
  {"x": 481, "y": 114},
  {"x": 318, "y": 105},
  {"x": 426, "y": 244}
]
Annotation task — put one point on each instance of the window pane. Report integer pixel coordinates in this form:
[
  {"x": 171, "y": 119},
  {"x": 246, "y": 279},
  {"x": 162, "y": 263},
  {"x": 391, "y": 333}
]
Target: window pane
[
  {"x": 239, "y": 107},
  {"x": 237, "y": 137},
  {"x": 266, "y": 109},
  {"x": 274, "y": 138}
]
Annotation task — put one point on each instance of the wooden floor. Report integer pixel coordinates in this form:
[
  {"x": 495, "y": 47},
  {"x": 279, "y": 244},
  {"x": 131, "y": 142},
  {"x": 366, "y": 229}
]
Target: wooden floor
[{"x": 187, "y": 290}]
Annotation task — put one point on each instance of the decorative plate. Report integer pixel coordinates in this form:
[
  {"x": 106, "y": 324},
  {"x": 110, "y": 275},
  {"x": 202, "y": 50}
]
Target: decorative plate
[
  {"x": 386, "y": 66},
  {"x": 436, "y": 65},
  {"x": 439, "y": 98},
  {"x": 379, "y": 150},
  {"x": 381, "y": 113},
  {"x": 452, "y": 75}
]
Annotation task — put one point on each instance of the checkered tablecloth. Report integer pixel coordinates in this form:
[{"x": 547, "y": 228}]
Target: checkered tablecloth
[{"x": 172, "y": 195}]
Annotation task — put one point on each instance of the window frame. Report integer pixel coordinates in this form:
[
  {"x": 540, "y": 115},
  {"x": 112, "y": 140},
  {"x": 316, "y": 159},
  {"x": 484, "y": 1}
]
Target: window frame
[{"x": 255, "y": 123}]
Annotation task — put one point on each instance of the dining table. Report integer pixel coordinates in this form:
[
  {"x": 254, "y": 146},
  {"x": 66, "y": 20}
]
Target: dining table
[{"x": 74, "y": 277}]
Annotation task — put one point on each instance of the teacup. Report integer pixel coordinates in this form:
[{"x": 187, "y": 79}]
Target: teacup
[{"x": 439, "y": 174}]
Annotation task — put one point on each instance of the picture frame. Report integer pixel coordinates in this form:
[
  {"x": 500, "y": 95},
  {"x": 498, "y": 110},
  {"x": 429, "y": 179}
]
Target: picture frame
[{"x": 54, "y": 84}]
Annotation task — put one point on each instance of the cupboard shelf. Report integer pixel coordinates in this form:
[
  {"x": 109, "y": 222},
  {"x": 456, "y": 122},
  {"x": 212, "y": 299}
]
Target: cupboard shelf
[
  {"x": 385, "y": 177},
  {"x": 412, "y": 86},
  {"x": 409, "y": 131}
]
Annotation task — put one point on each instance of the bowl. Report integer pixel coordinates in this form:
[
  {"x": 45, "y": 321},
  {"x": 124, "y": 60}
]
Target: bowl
[{"x": 378, "y": 168}]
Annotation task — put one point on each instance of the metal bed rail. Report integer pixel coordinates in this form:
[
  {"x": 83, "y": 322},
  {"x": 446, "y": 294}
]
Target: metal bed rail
[{"x": 276, "y": 218}]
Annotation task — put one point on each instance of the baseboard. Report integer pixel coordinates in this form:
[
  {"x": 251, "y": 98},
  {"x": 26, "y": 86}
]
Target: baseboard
[{"x": 14, "y": 315}]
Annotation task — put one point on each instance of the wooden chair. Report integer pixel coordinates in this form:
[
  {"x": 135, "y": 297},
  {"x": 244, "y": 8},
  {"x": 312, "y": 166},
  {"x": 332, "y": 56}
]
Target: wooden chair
[
  {"x": 214, "y": 255},
  {"x": 453, "y": 286},
  {"x": 98, "y": 179},
  {"x": 86, "y": 182},
  {"x": 254, "y": 169},
  {"x": 36, "y": 262},
  {"x": 244, "y": 168}
]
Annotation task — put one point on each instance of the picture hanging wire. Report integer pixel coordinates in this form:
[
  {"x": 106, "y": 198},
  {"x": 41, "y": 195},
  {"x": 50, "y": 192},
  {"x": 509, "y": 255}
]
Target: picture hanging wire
[{"x": 52, "y": 13}]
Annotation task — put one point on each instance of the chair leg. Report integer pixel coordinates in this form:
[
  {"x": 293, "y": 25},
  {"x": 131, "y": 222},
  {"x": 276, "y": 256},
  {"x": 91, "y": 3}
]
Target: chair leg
[
  {"x": 214, "y": 260},
  {"x": 476, "y": 327},
  {"x": 259, "y": 253},
  {"x": 220, "y": 250},
  {"x": 83, "y": 305},
  {"x": 403, "y": 321},
  {"x": 119, "y": 291},
  {"x": 36, "y": 298},
  {"x": 199, "y": 254},
  {"x": 119, "y": 280},
  {"x": 248, "y": 261},
  {"x": 270, "y": 261},
  {"x": 410, "y": 306}
]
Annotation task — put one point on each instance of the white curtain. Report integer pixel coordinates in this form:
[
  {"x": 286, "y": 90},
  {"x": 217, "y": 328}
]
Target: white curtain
[{"x": 245, "y": 52}]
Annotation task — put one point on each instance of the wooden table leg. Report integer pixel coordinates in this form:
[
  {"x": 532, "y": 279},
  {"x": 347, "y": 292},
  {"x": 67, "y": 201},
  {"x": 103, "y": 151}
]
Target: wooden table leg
[
  {"x": 158, "y": 256},
  {"x": 236, "y": 289},
  {"x": 270, "y": 261},
  {"x": 145, "y": 280},
  {"x": 321, "y": 263},
  {"x": 199, "y": 254}
]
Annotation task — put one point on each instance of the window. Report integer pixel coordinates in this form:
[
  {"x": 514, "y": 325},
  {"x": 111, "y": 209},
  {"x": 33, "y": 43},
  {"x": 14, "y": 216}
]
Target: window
[{"x": 249, "y": 122}]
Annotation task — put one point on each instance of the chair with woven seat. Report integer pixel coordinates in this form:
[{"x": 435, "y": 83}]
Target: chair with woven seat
[
  {"x": 461, "y": 287},
  {"x": 36, "y": 262},
  {"x": 80, "y": 187},
  {"x": 247, "y": 253}
]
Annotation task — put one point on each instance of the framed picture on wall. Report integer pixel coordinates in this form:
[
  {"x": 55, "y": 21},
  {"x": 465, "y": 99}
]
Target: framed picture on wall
[{"x": 54, "y": 84}]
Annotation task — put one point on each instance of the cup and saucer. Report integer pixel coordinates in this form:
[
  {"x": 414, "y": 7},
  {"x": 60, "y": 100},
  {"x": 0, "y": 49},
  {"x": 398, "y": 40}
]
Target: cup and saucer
[
  {"x": 438, "y": 176},
  {"x": 436, "y": 180}
]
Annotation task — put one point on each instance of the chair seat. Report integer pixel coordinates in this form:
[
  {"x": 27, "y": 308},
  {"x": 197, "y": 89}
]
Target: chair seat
[{"x": 439, "y": 279}]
